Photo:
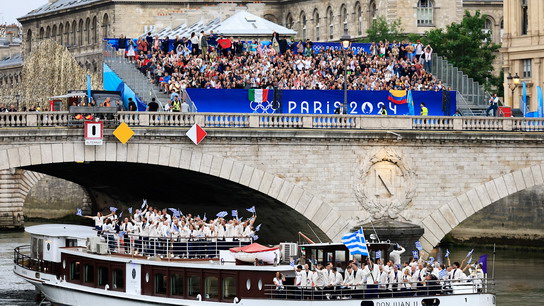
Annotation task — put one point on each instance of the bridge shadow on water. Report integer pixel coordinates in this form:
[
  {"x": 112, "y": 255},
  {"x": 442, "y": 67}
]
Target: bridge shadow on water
[{"x": 124, "y": 185}]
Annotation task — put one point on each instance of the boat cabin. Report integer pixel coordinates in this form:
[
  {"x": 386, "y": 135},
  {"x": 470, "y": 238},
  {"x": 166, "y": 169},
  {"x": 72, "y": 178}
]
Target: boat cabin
[{"x": 338, "y": 254}]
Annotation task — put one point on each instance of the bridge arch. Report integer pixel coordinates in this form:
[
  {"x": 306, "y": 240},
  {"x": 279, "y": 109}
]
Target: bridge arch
[
  {"x": 443, "y": 220},
  {"x": 325, "y": 217}
]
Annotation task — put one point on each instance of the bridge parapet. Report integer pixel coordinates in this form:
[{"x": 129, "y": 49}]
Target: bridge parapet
[{"x": 284, "y": 121}]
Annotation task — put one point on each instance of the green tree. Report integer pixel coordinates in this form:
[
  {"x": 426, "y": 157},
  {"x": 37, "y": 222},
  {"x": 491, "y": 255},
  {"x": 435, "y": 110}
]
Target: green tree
[
  {"x": 382, "y": 30},
  {"x": 467, "y": 46}
]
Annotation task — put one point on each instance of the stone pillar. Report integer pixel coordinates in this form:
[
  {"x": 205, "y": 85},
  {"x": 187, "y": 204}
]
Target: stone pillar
[{"x": 14, "y": 186}]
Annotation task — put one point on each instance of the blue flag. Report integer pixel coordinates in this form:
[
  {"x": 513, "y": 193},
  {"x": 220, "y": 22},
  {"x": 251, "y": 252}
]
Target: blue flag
[
  {"x": 255, "y": 237},
  {"x": 292, "y": 262},
  {"x": 204, "y": 219},
  {"x": 411, "y": 111},
  {"x": 523, "y": 105},
  {"x": 130, "y": 210},
  {"x": 442, "y": 273},
  {"x": 222, "y": 214},
  {"x": 415, "y": 254},
  {"x": 113, "y": 209},
  {"x": 258, "y": 228},
  {"x": 234, "y": 213},
  {"x": 469, "y": 260},
  {"x": 469, "y": 253},
  {"x": 483, "y": 262},
  {"x": 121, "y": 214},
  {"x": 356, "y": 243},
  {"x": 251, "y": 209},
  {"x": 447, "y": 253},
  {"x": 144, "y": 203},
  {"x": 121, "y": 234},
  {"x": 431, "y": 260},
  {"x": 89, "y": 88},
  {"x": 79, "y": 212},
  {"x": 378, "y": 254},
  {"x": 418, "y": 245},
  {"x": 540, "y": 100}
]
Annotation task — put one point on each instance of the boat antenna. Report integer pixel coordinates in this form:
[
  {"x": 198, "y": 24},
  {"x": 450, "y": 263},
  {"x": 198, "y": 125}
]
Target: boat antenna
[
  {"x": 493, "y": 268},
  {"x": 378, "y": 237},
  {"x": 314, "y": 233}
]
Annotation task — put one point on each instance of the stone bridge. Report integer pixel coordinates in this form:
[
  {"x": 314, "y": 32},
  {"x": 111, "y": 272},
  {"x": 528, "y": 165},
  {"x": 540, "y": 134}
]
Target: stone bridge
[{"x": 324, "y": 172}]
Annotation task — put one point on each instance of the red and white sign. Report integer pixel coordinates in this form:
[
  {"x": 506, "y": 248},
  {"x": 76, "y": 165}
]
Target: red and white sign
[
  {"x": 196, "y": 134},
  {"x": 93, "y": 133}
]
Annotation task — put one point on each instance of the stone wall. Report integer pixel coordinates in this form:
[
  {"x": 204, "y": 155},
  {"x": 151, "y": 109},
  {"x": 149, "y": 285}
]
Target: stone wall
[{"x": 52, "y": 197}]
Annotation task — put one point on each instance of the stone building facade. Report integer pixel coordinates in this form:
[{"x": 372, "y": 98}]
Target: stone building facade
[{"x": 523, "y": 49}]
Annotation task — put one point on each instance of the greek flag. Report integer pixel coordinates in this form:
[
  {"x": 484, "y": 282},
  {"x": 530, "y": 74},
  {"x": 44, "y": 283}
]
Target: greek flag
[
  {"x": 442, "y": 273},
  {"x": 79, "y": 212},
  {"x": 205, "y": 218},
  {"x": 121, "y": 214},
  {"x": 418, "y": 245},
  {"x": 415, "y": 254},
  {"x": 470, "y": 253},
  {"x": 378, "y": 254},
  {"x": 447, "y": 253},
  {"x": 255, "y": 237},
  {"x": 234, "y": 213},
  {"x": 258, "y": 228},
  {"x": 355, "y": 242},
  {"x": 144, "y": 203},
  {"x": 431, "y": 260},
  {"x": 292, "y": 262},
  {"x": 130, "y": 210},
  {"x": 469, "y": 261},
  {"x": 251, "y": 209},
  {"x": 113, "y": 209},
  {"x": 222, "y": 214}
]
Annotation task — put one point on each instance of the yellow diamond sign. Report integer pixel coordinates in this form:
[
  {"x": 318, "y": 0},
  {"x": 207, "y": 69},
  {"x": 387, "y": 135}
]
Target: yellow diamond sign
[{"x": 123, "y": 132}]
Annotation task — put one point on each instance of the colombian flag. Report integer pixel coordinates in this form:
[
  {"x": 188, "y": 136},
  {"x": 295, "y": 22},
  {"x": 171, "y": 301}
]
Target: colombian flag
[{"x": 397, "y": 96}]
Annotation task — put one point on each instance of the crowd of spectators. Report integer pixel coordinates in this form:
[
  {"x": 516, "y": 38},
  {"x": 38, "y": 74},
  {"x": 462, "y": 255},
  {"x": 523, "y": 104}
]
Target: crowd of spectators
[{"x": 207, "y": 60}]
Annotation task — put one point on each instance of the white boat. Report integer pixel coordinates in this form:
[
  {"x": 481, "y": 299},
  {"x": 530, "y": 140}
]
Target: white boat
[
  {"x": 257, "y": 253},
  {"x": 70, "y": 265}
]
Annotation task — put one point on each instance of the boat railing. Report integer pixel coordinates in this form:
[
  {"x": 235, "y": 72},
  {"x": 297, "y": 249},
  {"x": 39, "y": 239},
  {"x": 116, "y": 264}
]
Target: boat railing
[
  {"x": 170, "y": 247},
  {"x": 22, "y": 257},
  {"x": 430, "y": 288}
]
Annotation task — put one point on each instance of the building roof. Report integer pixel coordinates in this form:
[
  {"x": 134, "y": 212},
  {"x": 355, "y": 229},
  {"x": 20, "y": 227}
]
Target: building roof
[
  {"x": 58, "y": 5},
  {"x": 242, "y": 23}
]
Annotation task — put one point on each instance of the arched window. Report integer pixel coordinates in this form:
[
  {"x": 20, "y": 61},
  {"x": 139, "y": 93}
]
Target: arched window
[
  {"x": 425, "y": 13},
  {"x": 105, "y": 26},
  {"x": 42, "y": 33},
  {"x": 61, "y": 34},
  {"x": 289, "y": 22},
  {"x": 87, "y": 32},
  {"x": 303, "y": 23},
  {"x": 94, "y": 30},
  {"x": 28, "y": 41},
  {"x": 48, "y": 32},
  {"x": 67, "y": 34},
  {"x": 54, "y": 33},
  {"x": 344, "y": 18},
  {"x": 330, "y": 22},
  {"x": 80, "y": 33},
  {"x": 74, "y": 33},
  {"x": 358, "y": 18},
  {"x": 488, "y": 28},
  {"x": 524, "y": 17},
  {"x": 502, "y": 29},
  {"x": 316, "y": 25}
]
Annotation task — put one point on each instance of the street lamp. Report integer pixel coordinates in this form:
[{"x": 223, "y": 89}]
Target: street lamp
[
  {"x": 513, "y": 83},
  {"x": 346, "y": 44}
]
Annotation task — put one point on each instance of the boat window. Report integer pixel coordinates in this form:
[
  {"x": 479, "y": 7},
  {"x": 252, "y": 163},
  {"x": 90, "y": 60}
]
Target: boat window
[
  {"x": 118, "y": 278},
  {"x": 40, "y": 249},
  {"x": 229, "y": 288},
  {"x": 176, "y": 284},
  {"x": 367, "y": 303},
  {"x": 102, "y": 276},
  {"x": 430, "y": 302},
  {"x": 319, "y": 255},
  {"x": 34, "y": 248},
  {"x": 211, "y": 287},
  {"x": 248, "y": 284},
  {"x": 160, "y": 283},
  {"x": 88, "y": 273},
  {"x": 193, "y": 286},
  {"x": 71, "y": 242},
  {"x": 260, "y": 284},
  {"x": 314, "y": 254},
  {"x": 339, "y": 256},
  {"x": 75, "y": 270}
]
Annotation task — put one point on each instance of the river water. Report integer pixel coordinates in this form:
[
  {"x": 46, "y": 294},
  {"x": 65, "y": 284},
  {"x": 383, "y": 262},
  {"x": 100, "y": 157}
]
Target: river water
[{"x": 519, "y": 275}]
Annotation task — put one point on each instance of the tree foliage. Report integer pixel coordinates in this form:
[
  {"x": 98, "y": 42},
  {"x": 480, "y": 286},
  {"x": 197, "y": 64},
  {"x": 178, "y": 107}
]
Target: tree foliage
[
  {"x": 467, "y": 46},
  {"x": 382, "y": 30}
]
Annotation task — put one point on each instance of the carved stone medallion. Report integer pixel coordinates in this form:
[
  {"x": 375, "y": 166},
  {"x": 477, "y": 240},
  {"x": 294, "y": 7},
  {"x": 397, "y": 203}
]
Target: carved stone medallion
[{"x": 385, "y": 184}]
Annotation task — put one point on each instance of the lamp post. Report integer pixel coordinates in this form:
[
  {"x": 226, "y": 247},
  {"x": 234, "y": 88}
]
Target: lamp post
[
  {"x": 346, "y": 44},
  {"x": 513, "y": 83}
]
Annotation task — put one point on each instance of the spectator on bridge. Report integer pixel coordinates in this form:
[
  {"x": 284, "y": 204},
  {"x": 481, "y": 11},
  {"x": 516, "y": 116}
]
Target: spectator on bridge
[
  {"x": 153, "y": 106},
  {"x": 383, "y": 110},
  {"x": 493, "y": 105},
  {"x": 424, "y": 111},
  {"x": 132, "y": 105},
  {"x": 122, "y": 44}
]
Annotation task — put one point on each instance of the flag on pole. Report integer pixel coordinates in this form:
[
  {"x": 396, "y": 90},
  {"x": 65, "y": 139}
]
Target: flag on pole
[
  {"x": 113, "y": 209},
  {"x": 469, "y": 253},
  {"x": 397, "y": 96},
  {"x": 411, "y": 111},
  {"x": 442, "y": 273},
  {"x": 292, "y": 262},
  {"x": 255, "y": 237},
  {"x": 258, "y": 95},
  {"x": 234, "y": 213},
  {"x": 130, "y": 210},
  {"x": 523, "y": 105},
  {"x": 469, "y": 260},
  {"x": 483, "y": 262},
  {"x": 89, "y": 98},
  {"x": 447, "y": 253},
  {"x": 356, "y": 242},
  {"x": 378, "y": 254},
  {"x": 431, "y": 260},
  {"x": 222, "y": 214},
  {"x": 258, "y": 228},
  {"x": 418, "y": 245},
  {"x": 415, "y": 254},
  {"x": 79, "y": 212},
  {"x": 251, "y": 209},
  {"x": 121, "y": 214},
  {"x": 205, "y": 218},
  {"x": 540, "y": 100},
  {"x": 144, "y": 203}
]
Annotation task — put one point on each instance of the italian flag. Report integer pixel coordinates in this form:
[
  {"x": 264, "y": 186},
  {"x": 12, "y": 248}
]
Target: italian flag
[{"x": 258, "y": 95}]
